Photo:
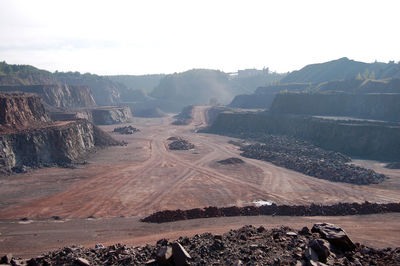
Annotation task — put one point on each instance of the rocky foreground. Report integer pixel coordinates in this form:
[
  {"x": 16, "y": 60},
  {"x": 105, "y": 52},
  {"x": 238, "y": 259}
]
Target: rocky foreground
[
  {"x": 311, "y": 160},
  {"x": 325, "y": 244}
]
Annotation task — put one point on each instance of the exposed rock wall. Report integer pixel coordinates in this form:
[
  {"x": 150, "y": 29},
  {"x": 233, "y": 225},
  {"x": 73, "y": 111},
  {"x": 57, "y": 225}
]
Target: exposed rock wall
[
  {"x": 381, "y": 106},
  {"x": 371, "y": 140},
  {"x": 57, "y": 95},
  {"x": 50, "y": 145},
  {"x": 19, "y": 110},
  {"x": 111, "y": 115}
]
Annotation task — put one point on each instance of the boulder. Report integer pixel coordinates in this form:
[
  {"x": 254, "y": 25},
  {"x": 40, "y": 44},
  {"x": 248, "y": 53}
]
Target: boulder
[
  {"x": 335, "y": 235},
  {"x": 164, "y": 254},
  {"x": 180, "y": 255},
  {"x": 321, "y": 248}
]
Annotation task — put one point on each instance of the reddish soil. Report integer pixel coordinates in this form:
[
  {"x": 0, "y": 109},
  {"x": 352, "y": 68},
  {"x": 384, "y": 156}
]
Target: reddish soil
[{"x": 145, "y": 176}]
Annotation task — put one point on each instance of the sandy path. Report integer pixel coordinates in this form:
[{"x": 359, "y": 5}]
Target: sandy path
[{"x": 145, "y": 177}]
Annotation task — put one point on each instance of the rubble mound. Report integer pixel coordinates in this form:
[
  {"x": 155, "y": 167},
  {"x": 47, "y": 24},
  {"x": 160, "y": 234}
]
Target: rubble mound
[
  {"x": 338, "y": 209},
  {"x": 232, "y": 160},
  {"x": 180, "y": 144},
  {"x": 248, "y": 245},
  {"x": 306, "y": 158},
  {"x": 128, "y": 130}
]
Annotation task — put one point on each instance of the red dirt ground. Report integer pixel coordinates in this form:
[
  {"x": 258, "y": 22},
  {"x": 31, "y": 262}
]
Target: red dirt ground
[{"x": 144, "y": 177}]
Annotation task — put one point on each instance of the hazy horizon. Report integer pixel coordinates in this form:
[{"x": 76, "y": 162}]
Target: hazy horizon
[{"x": 133, "y": 37}]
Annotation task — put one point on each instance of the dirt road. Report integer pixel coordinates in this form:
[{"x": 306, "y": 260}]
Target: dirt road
[{"x": 145, "y": 176}]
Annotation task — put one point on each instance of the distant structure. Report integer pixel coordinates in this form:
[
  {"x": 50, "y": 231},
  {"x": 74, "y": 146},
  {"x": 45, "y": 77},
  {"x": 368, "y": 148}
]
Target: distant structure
[{"x": 250, "y": 72}]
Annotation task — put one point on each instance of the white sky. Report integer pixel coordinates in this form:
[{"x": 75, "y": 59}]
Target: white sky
[{"x": 148, "y": 36}]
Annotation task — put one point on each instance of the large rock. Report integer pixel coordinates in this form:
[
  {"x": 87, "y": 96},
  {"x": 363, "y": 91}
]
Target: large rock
[
  {"x": 181, "y": 256},
  {"x": 335, "y": 235}
]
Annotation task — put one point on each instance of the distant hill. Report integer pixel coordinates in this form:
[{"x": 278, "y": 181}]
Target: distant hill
[
  {"x": 105, "y": 91},
  {"x": 11, "y": 75},
  {"x": 140, "y": 82},
  {"x": 339, "y": 69}
]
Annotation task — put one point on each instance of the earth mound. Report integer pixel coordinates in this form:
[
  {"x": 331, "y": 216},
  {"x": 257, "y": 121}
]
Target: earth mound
[{"x": 325, "y": 243}]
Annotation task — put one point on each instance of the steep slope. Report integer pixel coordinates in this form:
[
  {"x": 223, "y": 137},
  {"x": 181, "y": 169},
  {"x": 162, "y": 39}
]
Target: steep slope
[
  {"x": 105, "y": 91},
  {"x": 28, "y": 138},
  {"x": 58, "y": 95},
  {"x": 381, "y": 106},
  {"x": 18, "y": 111}
]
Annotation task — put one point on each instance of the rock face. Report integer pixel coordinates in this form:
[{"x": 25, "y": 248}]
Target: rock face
[
  {"x": 28, "y": 137},
  {"x": 111, "y": 115},
  {"x": 380, "y": 106},
  {"x": 365, "y": 139},
  {"x": 58, "y": 95},
  {"x": 18, "y": 111},
  {"x": 248, "y": 245},
  {"x": 55, "y": 144}
]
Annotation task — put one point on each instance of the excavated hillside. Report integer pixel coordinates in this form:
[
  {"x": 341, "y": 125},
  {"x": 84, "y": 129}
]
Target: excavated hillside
[
  {"x": 29, "y": 139},
  {"x": 381, "y": 106},
  {"x": 58, "y": 95},
  {"x": 19, "y": 111}
]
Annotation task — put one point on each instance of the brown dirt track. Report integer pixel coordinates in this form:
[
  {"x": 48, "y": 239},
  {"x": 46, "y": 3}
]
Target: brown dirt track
[{"x": 144, "y": 177}]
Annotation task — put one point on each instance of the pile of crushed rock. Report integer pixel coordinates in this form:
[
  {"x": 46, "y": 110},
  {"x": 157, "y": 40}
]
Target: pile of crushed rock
[
  {"x": 128, "y": 130},
  {"x": 179, "y": 144},
  {"x": 306, "y": 158},
  {"x": 324, "y": 244}
]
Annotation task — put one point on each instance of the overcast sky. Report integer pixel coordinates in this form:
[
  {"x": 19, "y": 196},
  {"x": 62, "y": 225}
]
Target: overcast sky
[{"x": 139, "y": 37}]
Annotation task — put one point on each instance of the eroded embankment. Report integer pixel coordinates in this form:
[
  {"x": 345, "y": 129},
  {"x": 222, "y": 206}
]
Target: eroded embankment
[{"x": 281, "y": 210}]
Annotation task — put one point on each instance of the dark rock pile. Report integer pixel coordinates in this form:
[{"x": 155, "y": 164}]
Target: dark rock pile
[
  {"x": 128, "y": 130},
  {"x": 326, "y": 243},
  {"x": 231, "y": 160},
  {"x": 338, "y": 209},
  {"x": 311, "y": 160},
  {"x": 179, "y": 144},
  {"x": 394, "y": 165}
]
